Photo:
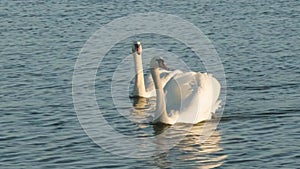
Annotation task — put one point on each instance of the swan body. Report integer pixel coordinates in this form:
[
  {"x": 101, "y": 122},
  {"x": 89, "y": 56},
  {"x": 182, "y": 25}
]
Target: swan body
[
  {"x": 188, "y": 97},
  {"x": 140, "y": 88}
]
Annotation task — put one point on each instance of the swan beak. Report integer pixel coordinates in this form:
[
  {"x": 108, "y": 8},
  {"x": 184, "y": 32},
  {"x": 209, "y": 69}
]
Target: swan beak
[{"x": 139, "y": 49}]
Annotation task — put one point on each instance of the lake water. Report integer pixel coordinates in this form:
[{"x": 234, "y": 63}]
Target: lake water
[{"x": 257, "y": 42}]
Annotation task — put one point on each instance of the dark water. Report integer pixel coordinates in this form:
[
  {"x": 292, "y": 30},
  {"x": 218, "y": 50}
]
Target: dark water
[{"x": 258, "y": 44}]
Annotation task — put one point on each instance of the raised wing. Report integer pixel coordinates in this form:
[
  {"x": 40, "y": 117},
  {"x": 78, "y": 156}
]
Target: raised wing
[{"x": 192, "y": 96}]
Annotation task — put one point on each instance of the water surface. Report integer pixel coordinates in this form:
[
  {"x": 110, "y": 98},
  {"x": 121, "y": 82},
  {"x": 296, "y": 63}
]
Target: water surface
[{"x": 258, "y": 44}]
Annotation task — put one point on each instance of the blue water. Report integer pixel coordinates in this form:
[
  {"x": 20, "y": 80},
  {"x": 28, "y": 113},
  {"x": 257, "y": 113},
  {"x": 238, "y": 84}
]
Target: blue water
[{"x": 257, "y": 42}]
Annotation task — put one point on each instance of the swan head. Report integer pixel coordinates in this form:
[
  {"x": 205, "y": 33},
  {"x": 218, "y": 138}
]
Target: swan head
[
  {"x": 158, "y": 62},
  {"x": 137, "y": 47}
]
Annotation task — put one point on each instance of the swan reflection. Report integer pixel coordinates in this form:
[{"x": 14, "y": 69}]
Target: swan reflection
[
  {"x": 140, "y": 110},
  {"x": 180, "y": 145},
  {"x": 197, "y": 149},
  {"x": 141, "y": 103}
]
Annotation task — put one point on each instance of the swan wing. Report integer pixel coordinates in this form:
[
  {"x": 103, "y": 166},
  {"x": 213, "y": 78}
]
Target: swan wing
[
  {"x": 191, "y": 96},
  {"x": 177, "y": 90},
  {"x": 165, "y": 76}
]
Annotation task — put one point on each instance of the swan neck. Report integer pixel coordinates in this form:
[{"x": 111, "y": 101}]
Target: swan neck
[
  {"x": 160, "y": 113},
  {"x": 156, "y": 79},
  {"x": 139, "y": 86}
]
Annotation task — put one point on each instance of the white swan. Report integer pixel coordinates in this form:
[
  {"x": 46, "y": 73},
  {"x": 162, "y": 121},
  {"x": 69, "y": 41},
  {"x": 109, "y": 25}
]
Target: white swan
[
  {"x": 188, "y": 97},
  {"x": 148, "y": 90}
]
